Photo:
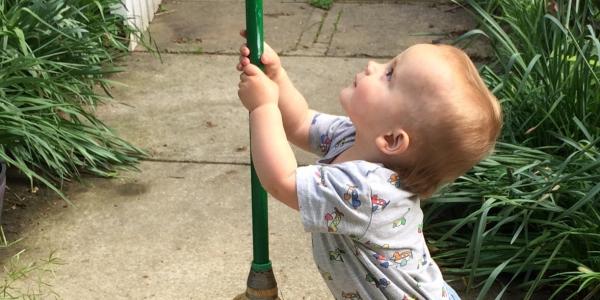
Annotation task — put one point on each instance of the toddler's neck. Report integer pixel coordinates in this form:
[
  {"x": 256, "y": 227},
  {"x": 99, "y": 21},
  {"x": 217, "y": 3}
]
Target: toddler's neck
[{"x": 359, "y": 152}]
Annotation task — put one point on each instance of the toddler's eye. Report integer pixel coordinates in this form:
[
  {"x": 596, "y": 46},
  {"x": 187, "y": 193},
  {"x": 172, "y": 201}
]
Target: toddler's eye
[{"x": 388, "y": 74}]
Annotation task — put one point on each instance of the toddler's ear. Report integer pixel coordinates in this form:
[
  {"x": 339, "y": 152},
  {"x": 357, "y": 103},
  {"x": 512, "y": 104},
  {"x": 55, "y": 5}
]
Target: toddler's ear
[{"x": 393, "y": 142}]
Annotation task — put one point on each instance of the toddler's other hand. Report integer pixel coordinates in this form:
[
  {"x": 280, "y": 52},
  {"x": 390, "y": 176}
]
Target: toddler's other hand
[
  {"x": 269, "y": 58},
  {"x": 256, "y": 89}
]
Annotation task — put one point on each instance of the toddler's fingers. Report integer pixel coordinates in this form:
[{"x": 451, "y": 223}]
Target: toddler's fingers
[
  {"x": 244, "y": 60},
  {"x": 265, "y": 59},
  {"x": 244, "y": 50},
  {"x": 251, "y": 70},
  {"x": 269, "y": 56},
  {"x": 243, "y": 33}
]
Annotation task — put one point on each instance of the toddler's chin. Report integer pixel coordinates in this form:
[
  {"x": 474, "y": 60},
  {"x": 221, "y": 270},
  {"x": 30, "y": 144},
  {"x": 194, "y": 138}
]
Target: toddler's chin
[
  {"x": 346, "y": 93},
  {"x": 344, "y": 97}
]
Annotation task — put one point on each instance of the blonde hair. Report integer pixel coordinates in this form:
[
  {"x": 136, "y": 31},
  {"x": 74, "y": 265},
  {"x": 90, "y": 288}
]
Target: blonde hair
[{"x": 465, "y": 131}]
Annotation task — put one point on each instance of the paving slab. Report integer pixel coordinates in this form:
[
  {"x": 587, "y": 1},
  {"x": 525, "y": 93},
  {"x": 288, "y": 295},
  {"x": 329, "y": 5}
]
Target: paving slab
[
  {"x": 169, "y": 232},
  {"x": 349, "y": 28},
  {"x": 386, "y": 29},
  {"x": 187, "y": 109},
  {"x": 213, "y": 26},
  {"x": 180, "y": 229}
]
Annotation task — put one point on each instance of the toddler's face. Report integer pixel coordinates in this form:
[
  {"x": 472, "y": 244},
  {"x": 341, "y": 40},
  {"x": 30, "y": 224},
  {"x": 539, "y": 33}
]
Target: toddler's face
[
  {"x": 370, "y": 96},
  {"x": 384, "y": 93}
]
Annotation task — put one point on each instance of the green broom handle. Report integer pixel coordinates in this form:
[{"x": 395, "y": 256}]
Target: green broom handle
[{"x": 260, "y": 221}]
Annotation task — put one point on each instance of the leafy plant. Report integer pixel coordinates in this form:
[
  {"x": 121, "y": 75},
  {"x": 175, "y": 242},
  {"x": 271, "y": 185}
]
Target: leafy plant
[
  {"x": 53, "y": 55},
  {"x": 589, "y": 279},
  {"x": 522, "y": 212},
  {"x": 324, "y": 4},
  {"x": 547, "y": 71},
  {"x": 22, "y": 280},
  {"x": 530, "y": 214}
]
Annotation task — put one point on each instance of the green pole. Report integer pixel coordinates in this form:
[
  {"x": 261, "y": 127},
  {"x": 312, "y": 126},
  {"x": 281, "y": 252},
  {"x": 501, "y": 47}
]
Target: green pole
[
  {"x": 261, "y": 284},
  {"x": 260, "y": 222}
]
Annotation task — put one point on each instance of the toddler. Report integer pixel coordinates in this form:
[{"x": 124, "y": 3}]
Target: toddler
[{"x": 414, "y": 123}]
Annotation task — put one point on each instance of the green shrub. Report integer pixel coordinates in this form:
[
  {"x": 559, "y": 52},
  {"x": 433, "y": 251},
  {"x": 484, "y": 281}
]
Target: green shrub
[
  {"x": 522, "y": 212},
  {"x": 530, "y": 213},
  {"x": 547, "y": 72},
  {"x": 53, "y": 55},
  {"x": 324, "y": 4}
]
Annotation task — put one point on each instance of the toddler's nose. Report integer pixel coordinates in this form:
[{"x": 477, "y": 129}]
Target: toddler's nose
[{"x": 370, "y": 67}]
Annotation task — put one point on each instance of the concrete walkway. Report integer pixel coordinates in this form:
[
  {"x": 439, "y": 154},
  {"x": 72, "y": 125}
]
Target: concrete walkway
[{"x": 180, "y": 228}]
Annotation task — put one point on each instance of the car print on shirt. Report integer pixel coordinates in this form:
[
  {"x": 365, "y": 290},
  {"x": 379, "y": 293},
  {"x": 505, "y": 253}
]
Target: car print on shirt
[
  {"x": 320, "y": 177},
  {"x": 333, "y": 219},
  {"x": 400, "y": 221},
  {"x": 376, "y": 247},
  {"x": 325, "y": 143},
  {"x": 377, "y": 203},
  {"x": 421, "y": 262},
  {"x": 402, "y": 257},
  {"x": 344, "y": 141},
  {"x": 352, "y": 193},
  {"x": 336, "y": 255},
  {"x": 351, "y": 296},
  {"x": 326, "y": 275},
  {"x": 394, "y": 180},
  {"x": 381, "y": 259},
  {"x": 381, "y": 283}
]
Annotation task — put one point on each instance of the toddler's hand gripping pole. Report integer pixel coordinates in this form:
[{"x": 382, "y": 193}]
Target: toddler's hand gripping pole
[{"x": 261, "y": 284}]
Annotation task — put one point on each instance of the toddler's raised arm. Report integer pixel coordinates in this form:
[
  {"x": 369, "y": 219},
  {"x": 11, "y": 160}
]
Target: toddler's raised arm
[
  {"x": 294, "y": 109},
  {"x": 271, "y": 153},
  {"x": 297, "y": 115}
]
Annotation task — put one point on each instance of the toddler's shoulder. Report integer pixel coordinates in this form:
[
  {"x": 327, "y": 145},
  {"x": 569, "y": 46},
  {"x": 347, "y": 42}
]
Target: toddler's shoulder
[
  {"x": 330, "y": 135},
  {"x": 320, "y": 117},
  {"x": 386, "y": 181},
  {"x": 380, "y": 179}
]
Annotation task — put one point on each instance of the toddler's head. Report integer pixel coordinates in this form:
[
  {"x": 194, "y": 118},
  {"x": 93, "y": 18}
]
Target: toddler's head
[{"x": 428, "y": 112}]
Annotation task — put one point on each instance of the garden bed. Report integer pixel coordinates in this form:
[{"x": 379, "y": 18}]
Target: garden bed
[{"x": 529, "y": 215}]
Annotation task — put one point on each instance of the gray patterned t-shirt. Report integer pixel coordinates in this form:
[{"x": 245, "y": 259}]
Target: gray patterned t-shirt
[{"x": 366, "y": 231}]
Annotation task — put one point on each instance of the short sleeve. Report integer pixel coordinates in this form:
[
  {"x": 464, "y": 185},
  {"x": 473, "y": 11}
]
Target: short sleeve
[
  {"x": 334, "y": 198},
  {"x": 326, "y": 130}
]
